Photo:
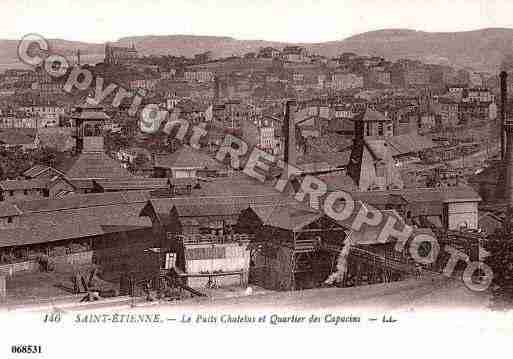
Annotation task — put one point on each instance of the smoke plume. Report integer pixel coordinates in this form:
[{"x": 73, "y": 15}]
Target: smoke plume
[{"x": 340, "y": 273}]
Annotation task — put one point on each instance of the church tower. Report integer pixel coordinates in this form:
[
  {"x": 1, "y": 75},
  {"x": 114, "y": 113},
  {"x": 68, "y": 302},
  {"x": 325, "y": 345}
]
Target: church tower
[{"x": 108, "y": 57}]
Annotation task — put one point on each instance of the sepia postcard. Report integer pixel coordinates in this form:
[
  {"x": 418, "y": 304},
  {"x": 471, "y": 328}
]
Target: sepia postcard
[{"x": 241, "y": 178}]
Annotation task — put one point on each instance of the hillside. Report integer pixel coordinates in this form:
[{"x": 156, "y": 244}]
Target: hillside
[
  {"x": 481, "y": 49},
  {"x": 90, "y": 52},
  {"x": 189, "y": 45}
]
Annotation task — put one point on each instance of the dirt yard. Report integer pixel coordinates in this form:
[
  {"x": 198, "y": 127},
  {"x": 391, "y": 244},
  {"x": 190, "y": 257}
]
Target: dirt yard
[{"x": 34, "y": 287}]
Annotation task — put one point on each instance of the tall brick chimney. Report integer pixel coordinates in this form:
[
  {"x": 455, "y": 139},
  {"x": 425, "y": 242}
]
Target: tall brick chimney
[
  {"x": 217, "y": 89},
  {"x": 289, "y": 134},
  {"x": 504, "y": 99},
  {"x": 507, "y": 131}
]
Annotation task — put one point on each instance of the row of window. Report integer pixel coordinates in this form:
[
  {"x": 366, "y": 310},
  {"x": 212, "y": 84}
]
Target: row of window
[
  {"x": 10, "y": 193},
  {"x": 6, "y": 194}
]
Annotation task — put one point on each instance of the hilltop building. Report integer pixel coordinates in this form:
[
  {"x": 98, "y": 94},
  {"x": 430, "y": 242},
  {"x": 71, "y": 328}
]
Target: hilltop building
[
  {"x": 296, "y": 54},
  {"x": 117, "y": 55}
]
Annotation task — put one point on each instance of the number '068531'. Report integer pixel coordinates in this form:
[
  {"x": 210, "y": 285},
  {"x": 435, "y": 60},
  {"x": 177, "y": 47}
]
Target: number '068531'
[{"x": 26, "y": 349}]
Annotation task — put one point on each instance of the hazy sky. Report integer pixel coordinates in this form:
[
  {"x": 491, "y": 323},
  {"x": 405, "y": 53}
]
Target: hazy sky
[{"x": 281, "y": 20}]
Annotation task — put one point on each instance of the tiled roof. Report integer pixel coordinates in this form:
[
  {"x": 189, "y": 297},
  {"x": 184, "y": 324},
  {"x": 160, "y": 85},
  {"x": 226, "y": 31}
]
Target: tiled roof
[
  {"x": 182, "y": 181},
  {"x": 368, "y": 235},
  {"x": 91, "y": 115},
  {"x": 96, "y": 165},
  {"x": 234, "y": 186},
  {"x": 379, "y": 148},
  {"x": 83, "y": 184},
  {"x": 371, "y": 115},
  {"x": 312, "y": 167},
  {"x": 417, "y": 195},
  {"x": 82, "y": 201},
  {"x": 80, "y": 216},
  {"x": 207, "y": 206},
  {"x": 35, "y": 171},
  {"x": 188, "y": 106},
  {"x": 132, "y": 184},
  {"x": 18, "y": 185},
  {"x": 288, "y": 216},
  {"x": 340, "y": 125},
  {"x": 164, "y": 205},
  {"x": 60, "y": 141},
  {"x": 89, "y": 104},
  {"x": 74, "y": 223},
  {"x": 187, "y": 157},
  {"x": 398, "y": 145},
  {"x": 209, "y": 209},
  {"x": 17, "y": 136},
  {"x": 338, "y": 181},
  {"x": 409, "y": 143},
  {"x": 442, "y": 194}
]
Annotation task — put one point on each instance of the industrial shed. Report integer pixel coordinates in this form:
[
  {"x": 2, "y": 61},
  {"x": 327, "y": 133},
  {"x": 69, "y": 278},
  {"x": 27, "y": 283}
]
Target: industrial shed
[
  {"x": 103, "y": 229},
  {"x": 286, "y": 251},
  {"x": 199, "y": 238}
]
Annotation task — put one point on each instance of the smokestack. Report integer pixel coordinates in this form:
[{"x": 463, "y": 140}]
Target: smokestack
[
  {"x": 504, "y": 99},
  {"x": 507, "y": 130},
  {"x": 217, "y": 89},
  {"x": 289, "y": 132}
]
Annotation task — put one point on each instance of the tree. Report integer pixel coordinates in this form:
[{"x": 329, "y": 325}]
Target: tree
[
  {"x": 500, "y": 247},
  {"x": 116, "y": 141},
  {"x": 15, "y": 161},
  {"x": 139, "y": 163},
  {"x": 173, "y": 144},
  {"x": 140, "y": 160},
  {"x": 46, "y": 156}
]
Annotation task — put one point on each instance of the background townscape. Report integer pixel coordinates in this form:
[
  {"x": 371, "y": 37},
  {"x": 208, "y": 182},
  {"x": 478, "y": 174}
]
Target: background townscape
[{"x": 415, "y": 125}]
